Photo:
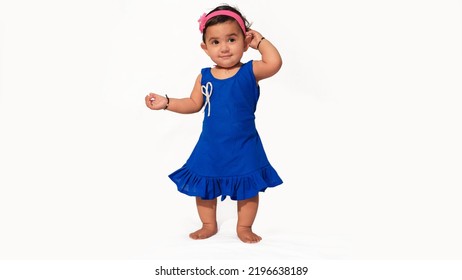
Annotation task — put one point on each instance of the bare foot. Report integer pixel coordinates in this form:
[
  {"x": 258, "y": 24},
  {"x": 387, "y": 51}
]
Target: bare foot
[
  {"x": 205, "y": 232},
  {"x": 246, "y": 235}
]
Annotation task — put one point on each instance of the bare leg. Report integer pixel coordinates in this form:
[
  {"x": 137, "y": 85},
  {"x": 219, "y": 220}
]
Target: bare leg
[
  {"x": 247, "y": 211},
  {"x": 208, "y": 214}
]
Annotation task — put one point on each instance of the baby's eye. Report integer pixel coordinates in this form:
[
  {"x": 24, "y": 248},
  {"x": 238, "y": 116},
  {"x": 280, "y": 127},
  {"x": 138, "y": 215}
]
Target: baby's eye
[
  {"x": 215, "y": 42},
  {"x": 231, "y": 40}
]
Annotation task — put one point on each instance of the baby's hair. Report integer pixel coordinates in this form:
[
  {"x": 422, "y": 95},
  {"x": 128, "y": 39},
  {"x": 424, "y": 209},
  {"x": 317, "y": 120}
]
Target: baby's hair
[{"x": 223, "y": 18}]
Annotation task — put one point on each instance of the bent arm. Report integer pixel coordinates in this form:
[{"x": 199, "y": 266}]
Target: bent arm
[
  {"x": 188, "y": 105},
  {"x": 271, "y": 60},
  {"x": 191, "y": 104}
]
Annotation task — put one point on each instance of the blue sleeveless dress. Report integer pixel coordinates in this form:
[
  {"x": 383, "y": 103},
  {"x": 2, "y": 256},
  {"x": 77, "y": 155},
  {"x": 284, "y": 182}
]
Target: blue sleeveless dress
[{"x": 228, "y": 159}]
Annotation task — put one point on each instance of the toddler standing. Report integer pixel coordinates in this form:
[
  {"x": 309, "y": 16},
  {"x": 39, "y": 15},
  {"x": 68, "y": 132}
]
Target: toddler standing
[{"x": 228, "y": 159}]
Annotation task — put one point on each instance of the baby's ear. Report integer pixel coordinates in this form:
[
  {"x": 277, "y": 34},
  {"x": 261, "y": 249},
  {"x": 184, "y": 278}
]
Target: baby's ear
[
  {"x": 248, "y": 38},
  {"x": 204, "y": 47}
]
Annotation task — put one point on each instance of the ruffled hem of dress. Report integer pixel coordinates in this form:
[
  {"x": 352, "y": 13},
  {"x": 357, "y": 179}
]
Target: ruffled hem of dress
[{"x": 237, "y": 188}]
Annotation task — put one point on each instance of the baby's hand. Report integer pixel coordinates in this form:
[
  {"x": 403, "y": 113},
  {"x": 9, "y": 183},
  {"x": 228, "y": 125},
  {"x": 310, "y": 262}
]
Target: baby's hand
[
  {"x": 155, "y": 101},
  {"x": 255, "y": 38}
]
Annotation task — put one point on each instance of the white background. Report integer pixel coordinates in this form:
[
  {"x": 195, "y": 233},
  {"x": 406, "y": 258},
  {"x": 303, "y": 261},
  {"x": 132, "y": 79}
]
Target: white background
[{"x": 363, "y": 123}]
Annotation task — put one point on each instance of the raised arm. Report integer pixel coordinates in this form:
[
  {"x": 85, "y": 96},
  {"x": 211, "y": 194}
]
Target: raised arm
[
  {"x": 270, "y": 62},
  {"x": 188, "y": 105}
]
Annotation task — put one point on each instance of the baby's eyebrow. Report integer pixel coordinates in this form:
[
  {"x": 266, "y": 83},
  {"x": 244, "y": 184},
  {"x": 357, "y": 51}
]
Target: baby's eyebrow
[
  {"x": 226, "y": 36},
  {"x": 211, "y": 39}
]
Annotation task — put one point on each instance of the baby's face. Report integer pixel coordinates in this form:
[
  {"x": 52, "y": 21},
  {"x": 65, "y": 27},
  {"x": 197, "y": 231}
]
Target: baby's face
[{"x": 225, "y": 44}]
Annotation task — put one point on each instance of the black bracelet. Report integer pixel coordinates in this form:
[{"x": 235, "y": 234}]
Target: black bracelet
[
  {"x": 258, "y": 45},
  {"x": 168, "y": 102}
]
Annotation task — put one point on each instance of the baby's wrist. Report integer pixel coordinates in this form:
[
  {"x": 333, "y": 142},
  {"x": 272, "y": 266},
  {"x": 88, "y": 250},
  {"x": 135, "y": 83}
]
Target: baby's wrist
[
  {"x": 168, "y": 102},
  {"x": 259, "y": 42}
]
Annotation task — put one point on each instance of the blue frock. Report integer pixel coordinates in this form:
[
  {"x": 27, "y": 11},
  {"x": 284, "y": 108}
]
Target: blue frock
[{"x": 228, "y": 159}]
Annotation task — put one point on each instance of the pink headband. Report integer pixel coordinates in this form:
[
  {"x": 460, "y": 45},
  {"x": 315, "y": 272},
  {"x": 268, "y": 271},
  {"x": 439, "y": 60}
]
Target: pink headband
[{"x": 204, "y": 18}]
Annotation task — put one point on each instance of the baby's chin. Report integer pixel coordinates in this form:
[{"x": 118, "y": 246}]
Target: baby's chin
[{"x": 227, "y": 64}]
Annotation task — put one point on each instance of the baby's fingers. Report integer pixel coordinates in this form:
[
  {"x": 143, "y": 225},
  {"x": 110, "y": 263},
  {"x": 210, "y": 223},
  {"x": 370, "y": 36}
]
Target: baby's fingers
[{"x": 149, "y": 100}]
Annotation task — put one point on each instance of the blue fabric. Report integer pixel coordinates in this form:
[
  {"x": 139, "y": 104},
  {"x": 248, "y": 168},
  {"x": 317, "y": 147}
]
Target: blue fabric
[{"x": 229, "y": 159}]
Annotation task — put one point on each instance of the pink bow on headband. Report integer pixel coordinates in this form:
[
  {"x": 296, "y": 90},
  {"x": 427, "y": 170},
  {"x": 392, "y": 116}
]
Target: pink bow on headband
[
  {"x": 204, "y": 18},
  {"x": 202, "y": 21}
]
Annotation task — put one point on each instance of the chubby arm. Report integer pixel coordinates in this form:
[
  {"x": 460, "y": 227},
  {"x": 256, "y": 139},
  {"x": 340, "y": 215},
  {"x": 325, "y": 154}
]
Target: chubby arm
[
  {"x": 271, "y": 60},
  {"x": 188, "y": 105}
]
